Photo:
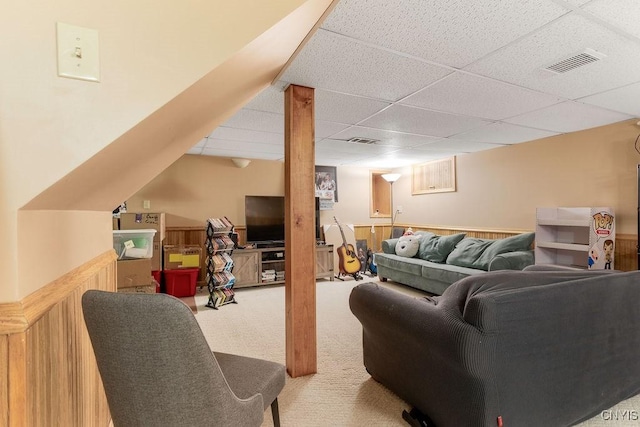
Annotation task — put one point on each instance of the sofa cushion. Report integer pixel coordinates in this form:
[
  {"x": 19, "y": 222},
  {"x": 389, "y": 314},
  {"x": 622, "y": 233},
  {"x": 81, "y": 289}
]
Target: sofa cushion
[
  {"x": 436, "y": 248},
  {"x": 447, "y": 273},
  {"x": 394, "y": 262},
  {"x": 478, "y": 253}
]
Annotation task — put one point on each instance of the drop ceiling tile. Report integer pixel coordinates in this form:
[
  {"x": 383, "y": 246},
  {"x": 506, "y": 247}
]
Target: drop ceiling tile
[
  {"x": 384, "y": 137},
  {"x": 411, "y": 156},
  {"x": 568, "y": 116},
  {"x": 329, "y": 106},
  {"x": 244, "y": 146},
  {"x": 342, "y": 108},
  {"x": 624, "y": 99},
  {"x": 256, "y": 120},
  {"x": 330, "y": 61},
  {"x": 235, "y": 134},
  {"x": 453, "y": 32},
  {"x": 522, "y": 63},
  {"x": 353, "y": 147},
  {"x": 423, "y": 122},
  {"x": 379, "y": 163},
  {"x": 322, "y": 161},
  {"x": 457, "y": 146},
  {"x": 326, "y": 129},
  {"x": 623, "y": 14},
  {"x": 471, "y": 95},
  {"x": 504, "y": 133},
  {"x": 271, "y": 99}
]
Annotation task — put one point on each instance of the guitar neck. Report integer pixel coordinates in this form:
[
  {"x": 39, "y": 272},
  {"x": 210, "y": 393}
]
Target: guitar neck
[{"x": 344, "y": 239}]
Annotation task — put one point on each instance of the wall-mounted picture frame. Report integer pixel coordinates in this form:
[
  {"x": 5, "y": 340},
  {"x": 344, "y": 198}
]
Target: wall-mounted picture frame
[{"x": 326, "y": 183}]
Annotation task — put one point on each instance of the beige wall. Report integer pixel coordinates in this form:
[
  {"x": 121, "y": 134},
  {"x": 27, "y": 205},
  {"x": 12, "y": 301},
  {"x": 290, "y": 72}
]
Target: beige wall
[
  {"x": 71, "y": 145},
  {"x": 501, "y": 188},
  {"x": 497, "y": 189},
  {"x": 195, "y": 188}
]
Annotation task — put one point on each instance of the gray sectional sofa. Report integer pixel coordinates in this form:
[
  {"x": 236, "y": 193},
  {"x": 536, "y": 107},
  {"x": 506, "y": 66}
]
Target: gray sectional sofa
[
  {"x": 535, "y": 348},
  {"x": 443, "y": 260}
]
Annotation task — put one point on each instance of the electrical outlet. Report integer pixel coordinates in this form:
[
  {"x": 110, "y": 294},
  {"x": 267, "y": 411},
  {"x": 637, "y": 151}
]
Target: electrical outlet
[
  {"x": 146, "y": 204},
  {"x": 399, "y": 210}
]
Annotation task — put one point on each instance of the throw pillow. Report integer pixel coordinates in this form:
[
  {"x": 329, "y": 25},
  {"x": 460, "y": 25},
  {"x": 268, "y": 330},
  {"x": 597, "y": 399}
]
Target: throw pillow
[
  {"x": 408, "y": 245},
  {"x": 436, "y": 248},
  {"x": 478, "y": 253}
]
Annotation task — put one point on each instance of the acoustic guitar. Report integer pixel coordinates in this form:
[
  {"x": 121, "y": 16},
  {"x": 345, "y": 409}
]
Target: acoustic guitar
[{"x": 348, "y": 260}]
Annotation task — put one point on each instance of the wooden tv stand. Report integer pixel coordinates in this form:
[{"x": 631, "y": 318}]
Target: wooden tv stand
[{"x": 252, "y": 266}]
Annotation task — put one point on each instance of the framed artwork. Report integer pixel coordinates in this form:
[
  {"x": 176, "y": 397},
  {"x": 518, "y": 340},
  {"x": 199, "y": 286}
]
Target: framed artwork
[{"x": 326, "y": 183}]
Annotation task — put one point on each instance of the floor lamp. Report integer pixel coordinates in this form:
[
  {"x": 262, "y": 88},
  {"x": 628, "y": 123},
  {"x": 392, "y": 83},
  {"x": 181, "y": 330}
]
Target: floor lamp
[{"x": 391, "y": 178}]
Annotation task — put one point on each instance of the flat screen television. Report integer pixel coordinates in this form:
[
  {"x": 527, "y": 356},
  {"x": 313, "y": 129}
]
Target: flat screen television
[{"x": 264, "y": 219}]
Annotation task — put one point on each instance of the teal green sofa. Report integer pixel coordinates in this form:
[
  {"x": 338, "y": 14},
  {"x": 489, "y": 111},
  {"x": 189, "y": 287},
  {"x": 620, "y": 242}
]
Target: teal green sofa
[{"x": 443, "y": 260}]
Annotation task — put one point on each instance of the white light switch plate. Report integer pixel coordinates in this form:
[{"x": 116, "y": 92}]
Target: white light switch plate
[{"x": 78, "y": 56}]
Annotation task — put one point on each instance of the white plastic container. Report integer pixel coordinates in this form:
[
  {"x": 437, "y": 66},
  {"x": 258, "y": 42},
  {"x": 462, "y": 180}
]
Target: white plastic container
[{"x": 133, "y": 244}]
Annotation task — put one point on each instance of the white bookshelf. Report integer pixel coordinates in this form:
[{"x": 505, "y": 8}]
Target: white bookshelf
[{"x": 581, "y": 237}]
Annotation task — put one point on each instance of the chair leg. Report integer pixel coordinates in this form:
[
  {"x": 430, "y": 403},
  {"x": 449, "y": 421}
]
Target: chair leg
[{"x": 275, "y": 413}]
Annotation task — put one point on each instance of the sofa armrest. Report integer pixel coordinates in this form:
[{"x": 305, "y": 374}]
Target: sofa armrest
[
  {"x": 516, "y": 260},
  {"x": 389, "y": 246},
  {"x": 417, "y": 347}
]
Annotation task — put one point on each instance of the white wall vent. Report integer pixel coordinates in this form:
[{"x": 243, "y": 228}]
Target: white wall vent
[
  {"x": 575, "y": 61},
  {"x": 358, "y": 140}
]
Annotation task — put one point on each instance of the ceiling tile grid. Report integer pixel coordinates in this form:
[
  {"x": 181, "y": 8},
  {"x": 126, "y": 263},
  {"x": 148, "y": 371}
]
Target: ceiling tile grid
[
  {"x": 453, "y": 32},
  {"x": 330, "y": 61},
  {"x": 504, "y": 133},
  {"x": 428, "y": 79},
  {"x": 477, "y": 96},
  {"x": 623, "y": 14},
  {"x": 424, "y": 122},
  {"x": 523, "y": 63},
  {"x": 624, "y": 99},
  {"x": 384, "y": 137},
  {"x": 568, "y": 116}
]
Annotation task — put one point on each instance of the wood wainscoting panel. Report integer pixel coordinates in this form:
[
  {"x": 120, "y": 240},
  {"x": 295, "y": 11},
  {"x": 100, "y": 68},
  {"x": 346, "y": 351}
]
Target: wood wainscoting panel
[
  {"x": 626, "y": 252},
  {"x": 50, "y": 374},
  {"x": 4, "y": 380}
]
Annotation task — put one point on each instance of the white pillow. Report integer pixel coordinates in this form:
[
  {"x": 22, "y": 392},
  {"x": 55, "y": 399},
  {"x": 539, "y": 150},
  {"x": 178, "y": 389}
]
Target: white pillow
[{"x": 407, "y": 246}]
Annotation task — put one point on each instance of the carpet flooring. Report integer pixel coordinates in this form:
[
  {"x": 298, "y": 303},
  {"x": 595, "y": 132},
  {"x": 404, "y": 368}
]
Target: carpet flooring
[{"x": 341, "y": 393}]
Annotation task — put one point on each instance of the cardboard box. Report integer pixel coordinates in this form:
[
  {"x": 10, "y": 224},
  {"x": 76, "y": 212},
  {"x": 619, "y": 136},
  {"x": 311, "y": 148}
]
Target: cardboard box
[
  {"x": 133, "y": 272},
  {"x": 156, "y": 260},
  {"x": 148, "y": 289},
  {"x": 178, "y": 256},
  {"x": 116, "y": 223},
  {"x": 135, "y": 221}
]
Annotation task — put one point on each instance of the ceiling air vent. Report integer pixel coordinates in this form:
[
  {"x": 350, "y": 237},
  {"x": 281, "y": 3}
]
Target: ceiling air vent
[
  {"x": 575, "y": 61},
  {"x": 359, "y": 140}
]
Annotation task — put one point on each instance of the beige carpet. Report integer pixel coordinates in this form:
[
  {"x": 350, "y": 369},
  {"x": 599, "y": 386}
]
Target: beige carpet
[{"x": 341, "y": 393}]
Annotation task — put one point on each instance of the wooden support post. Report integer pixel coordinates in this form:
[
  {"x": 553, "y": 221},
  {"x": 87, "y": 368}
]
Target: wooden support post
[{"x": 300, "y": 245}]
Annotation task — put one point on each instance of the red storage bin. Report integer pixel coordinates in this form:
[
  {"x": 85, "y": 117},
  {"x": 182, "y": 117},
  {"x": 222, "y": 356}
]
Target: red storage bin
[
  {"x": 157, "y": 275},
  {"x": 181, "y": 283}
]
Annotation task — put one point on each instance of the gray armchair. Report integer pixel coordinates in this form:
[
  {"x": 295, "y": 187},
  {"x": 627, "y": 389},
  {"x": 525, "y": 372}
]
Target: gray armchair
[{"x": 158, "y": 369}]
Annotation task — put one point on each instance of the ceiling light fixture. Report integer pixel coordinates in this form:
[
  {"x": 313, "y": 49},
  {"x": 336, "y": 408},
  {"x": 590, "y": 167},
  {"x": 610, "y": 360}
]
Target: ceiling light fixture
[{"x": 241, "y": 163}]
